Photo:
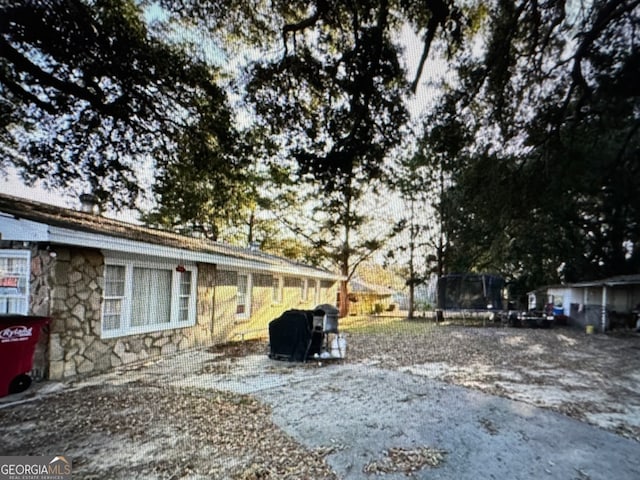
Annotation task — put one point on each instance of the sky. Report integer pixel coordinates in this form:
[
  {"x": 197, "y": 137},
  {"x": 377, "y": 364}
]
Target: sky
[{"x": 11, "y": 184}]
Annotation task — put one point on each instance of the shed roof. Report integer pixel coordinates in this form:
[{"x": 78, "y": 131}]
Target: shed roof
[
  {"x": 610, "y": 282},
  {"x": 618, "y": 280},
  {"x": 64, "y": 220}
]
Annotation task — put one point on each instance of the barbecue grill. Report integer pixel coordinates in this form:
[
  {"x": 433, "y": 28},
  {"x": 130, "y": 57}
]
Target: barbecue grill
[{"x": 298, "y": 335}]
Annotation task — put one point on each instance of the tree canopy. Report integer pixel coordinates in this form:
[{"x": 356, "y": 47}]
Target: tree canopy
[
  {"x": 542, "y": 187},
  {"x": 530, "y": 146},
  {"x": 89, "y": 96}
]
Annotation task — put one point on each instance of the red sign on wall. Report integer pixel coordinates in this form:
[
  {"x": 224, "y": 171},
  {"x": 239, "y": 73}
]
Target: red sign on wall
[{"x": 9, "y": 282}]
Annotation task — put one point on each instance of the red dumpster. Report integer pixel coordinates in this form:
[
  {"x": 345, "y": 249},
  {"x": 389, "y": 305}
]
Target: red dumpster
[{"x": 18, "y": 338}]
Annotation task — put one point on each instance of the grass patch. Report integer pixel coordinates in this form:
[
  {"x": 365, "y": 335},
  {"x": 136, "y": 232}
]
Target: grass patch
[{"x": 384, "y": 325}]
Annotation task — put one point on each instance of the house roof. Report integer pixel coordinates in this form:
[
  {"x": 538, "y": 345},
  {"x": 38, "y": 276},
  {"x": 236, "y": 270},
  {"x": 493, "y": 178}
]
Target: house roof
[
  {"x": 26, "y": 220},
  {"x": 359, "y": 286}
]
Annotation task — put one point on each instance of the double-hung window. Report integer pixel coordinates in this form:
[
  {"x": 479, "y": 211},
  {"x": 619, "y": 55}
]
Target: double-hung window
[
  {"x": 114, "y": 299},
  {"x": 14, "y": 281},
  {"x": 243, "y": 296},
  {"x": 143, "y": 297},
  {"x": 186, "y": 296},
  {"x": 277, "y": 289}
]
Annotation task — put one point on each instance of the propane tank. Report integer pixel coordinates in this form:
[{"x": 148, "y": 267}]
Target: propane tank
[{"x": 339, "y": 346}]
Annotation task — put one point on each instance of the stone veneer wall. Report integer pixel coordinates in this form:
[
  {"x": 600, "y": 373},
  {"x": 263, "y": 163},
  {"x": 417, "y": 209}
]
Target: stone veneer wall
[
  {"x": 39, "y": 287},
  {"x": 75, "y": 346},
  {"x": 40, "y": 304},
  {"x": 76, "y": 300}
]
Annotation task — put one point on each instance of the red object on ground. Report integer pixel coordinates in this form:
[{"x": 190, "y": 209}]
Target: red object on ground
[{"x": 18, "y": 338}]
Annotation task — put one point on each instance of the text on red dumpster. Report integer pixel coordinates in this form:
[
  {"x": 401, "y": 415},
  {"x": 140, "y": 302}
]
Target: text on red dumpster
[{"x": 16, "y": 333}]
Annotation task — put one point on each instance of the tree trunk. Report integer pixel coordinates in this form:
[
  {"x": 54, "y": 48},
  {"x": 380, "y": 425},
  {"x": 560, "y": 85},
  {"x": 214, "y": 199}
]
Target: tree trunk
[
  {"x": 441, "y": 240},
  {"x": 411, "y": 300},
  {"x": 250, "y": 225},
  {"x": 412, "y": 273},
  {"x": 345, "y": 255},
  {"x": 344, "y": 299}
]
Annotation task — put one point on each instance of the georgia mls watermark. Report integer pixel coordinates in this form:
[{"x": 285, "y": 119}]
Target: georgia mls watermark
[{"x": 35, "y": 468}]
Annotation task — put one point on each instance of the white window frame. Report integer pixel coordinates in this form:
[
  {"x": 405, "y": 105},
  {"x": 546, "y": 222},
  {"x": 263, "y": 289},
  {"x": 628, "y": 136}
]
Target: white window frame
[
  {"x": 276, "y": 290},
  {"x": 127, "y": 308},
  {"x": 304, "y": 289},
  {"x": 125, "y": 301},
  {"x": 248, "y": 296},
  {"x": 316, "y": 291},
  {"x": 191, "y": 298},
  {"x": 26, "y": 255}
]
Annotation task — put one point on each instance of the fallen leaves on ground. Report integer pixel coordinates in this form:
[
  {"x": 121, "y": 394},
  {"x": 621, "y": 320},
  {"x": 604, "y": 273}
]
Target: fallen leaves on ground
[
  {"x": 405, "y": 460},
  {"x": 173, "y": 433},
  {"x": 195, "y": 432},
  {"x": 240, "y": 348}
]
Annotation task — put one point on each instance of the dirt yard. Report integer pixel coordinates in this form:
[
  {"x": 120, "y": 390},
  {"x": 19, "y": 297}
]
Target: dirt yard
[
  {"x": 185, "y": 419},
  {"x": 593, "y": 378}
]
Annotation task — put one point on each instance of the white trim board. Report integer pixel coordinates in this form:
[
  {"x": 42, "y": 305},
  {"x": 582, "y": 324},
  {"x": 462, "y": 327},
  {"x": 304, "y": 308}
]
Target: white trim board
[{"x": 16, "y": 229}]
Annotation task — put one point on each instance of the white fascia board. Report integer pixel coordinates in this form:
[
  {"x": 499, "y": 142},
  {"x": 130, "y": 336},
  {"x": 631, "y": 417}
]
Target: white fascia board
[
  {"x": 598, "y": 283},
  {"x": 119, "y": 245},
  {"x": 21, "y": 230},
  {"x": 618, "y": 283}
]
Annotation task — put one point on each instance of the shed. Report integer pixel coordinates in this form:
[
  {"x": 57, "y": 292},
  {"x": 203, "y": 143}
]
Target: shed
[{"x": 602, "y": 303}]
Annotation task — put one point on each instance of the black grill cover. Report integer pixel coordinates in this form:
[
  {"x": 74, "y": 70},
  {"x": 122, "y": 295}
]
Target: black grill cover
[{"x": 292, "y": 338}]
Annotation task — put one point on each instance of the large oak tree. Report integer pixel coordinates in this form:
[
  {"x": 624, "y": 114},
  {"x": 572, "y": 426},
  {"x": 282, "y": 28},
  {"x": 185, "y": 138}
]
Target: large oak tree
[{"x": 88, "y": 96}]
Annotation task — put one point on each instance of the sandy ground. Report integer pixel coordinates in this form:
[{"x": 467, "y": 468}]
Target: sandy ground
[
  {"x": 411, "y": 401},
  {"x": 593, "y": 378}
]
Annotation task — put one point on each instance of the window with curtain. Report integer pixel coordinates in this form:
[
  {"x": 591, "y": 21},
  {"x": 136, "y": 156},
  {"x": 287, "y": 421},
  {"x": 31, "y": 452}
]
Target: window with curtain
[
  {"x": 14, "y": 281},
  {"x": 142, "y": 298},
  {"x": 151, "y": 300}
]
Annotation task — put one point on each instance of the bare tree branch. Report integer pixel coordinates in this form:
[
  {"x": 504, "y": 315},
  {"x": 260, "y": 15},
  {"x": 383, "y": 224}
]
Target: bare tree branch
[{"x": 439, "y": 15}]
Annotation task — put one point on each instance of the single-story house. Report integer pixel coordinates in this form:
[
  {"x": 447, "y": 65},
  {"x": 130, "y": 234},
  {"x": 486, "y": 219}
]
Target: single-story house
[
  {"x": 601, "y": 303},
  {"x": 119, "y": 293},
  {"x": 367, "y": 298}
]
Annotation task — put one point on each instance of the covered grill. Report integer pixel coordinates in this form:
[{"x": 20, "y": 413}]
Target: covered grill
[{"x": 298, "y": 335}]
